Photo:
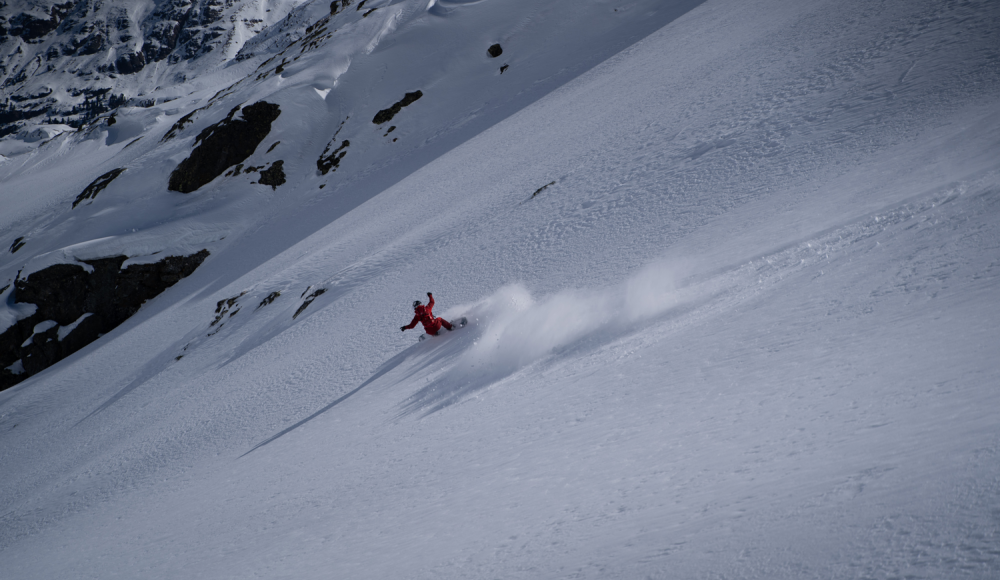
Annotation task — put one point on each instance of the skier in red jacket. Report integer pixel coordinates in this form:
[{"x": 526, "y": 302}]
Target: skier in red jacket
[{"x": 425, "y": 315}]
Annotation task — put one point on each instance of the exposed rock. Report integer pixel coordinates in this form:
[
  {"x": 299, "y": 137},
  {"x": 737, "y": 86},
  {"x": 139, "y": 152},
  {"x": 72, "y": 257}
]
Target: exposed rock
[
  {"x": 181, "y": 124},
  {"x": 326, "y": 161},
  {"x": 74, "y": 307},
  {"x": 267, "y": 300},
  {"x": 31, "y": 28},
  {"x": 543, "y": 188},
  {"x": 338, "y": 5},
  {"x": 504, "y": 68},
  {"x": 494, "y": 51},
  {"x": 222, "y": 145},
  {"x": 386, "y": 115},
  {"x": 273, "y": 175},
  {"x": 59, "y": 42},
  {"x": 128, "y": 64},
  {"x": 183, "y": 30},
  {"x": 17, "y": 245},
  {"x": 88, "y": 45},
  {"x": 98, "y": 185},
  {"x": 309, "y": 300},
  {"x": 222, "y": 307}
]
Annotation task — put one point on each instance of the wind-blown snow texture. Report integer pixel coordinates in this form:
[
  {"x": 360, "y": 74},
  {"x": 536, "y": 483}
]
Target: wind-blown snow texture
[{"x": 750, "y": 331}]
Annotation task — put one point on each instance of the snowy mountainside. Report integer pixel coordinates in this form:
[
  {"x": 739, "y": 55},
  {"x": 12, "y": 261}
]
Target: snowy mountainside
[
  {"x": 730, "y": 270},
  {"x": 70, "y": 63},
  {"x": 351, "y": 112}
]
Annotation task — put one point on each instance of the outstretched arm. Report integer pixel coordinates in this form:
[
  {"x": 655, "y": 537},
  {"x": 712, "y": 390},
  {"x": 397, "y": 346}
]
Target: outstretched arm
[
  {"x": 430, "y": 302},
  {"x": 416, "y": 319}
]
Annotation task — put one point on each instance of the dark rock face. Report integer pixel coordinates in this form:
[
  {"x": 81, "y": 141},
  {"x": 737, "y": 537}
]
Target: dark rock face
[
  {"x": 494, "y": 51},
  {"x": 224, "y": 307},
  {"x": 386, "y": 115},
  {"x": 331, "y": 160},
  {"x": 58, "y": 39},
  {"x": 82, "y": 306},
  {"x": 182, "y": 30},
  {"x": 543, "y": 188},
  {"x": 98, "y": 185},
  {"x": 267, "y": 299},
  {"x": 88, "y": 45},
  {"x": 273, "y": 175},
  {"x": 309, "y": 300},
  {"x": 128, "y": 64},
  {"x": 338, "y": 5},
  {"x": 30, "y": 28},
  {"x": 222, "y": 145},
  {"x": 17, "y": 245}
]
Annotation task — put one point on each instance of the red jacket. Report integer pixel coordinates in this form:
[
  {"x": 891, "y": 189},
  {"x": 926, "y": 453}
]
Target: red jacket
[{"x": 425, "y": 315}]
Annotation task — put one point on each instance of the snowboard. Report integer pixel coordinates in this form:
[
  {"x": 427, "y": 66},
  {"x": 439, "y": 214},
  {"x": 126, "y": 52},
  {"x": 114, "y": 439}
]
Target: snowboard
[{"x": 456, "y": 324}]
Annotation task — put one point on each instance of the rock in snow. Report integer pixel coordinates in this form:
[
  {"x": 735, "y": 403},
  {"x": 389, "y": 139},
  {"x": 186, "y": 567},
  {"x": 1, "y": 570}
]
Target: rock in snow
[
  {"x": 223, "y": 145},
  {"x": 86, "y": 303}
]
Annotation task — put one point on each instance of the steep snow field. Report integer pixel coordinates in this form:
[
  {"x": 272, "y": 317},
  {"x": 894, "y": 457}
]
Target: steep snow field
[{"x": 749, "y": 330}]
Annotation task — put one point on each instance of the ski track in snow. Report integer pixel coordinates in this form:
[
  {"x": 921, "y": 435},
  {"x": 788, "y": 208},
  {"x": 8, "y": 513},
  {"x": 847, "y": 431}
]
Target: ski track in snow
[{"x": 748, "y": 331}]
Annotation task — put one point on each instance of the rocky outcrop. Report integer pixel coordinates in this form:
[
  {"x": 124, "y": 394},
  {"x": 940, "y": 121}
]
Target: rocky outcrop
[
  {"x": 226, "y": 306},
  {"x": 181, "y": 124},
  {"x": 74, "y": 307},
  {"x": 331, "y": 160},
  {"x": 269, "y": 299},
  {"x": 183, "y": 30},
  {"x": 386, "y": 115},
  {"x": 494, "y": 51},
  {"x": 55, "y": 42},
  {"x": 543, "y": 188},
  {"x": 98, "y": 185},
  {"x": 128, "y": 64},
  {"x": 222, "y": 145},
  {"x": 308, "y": 300},
  {"x": 338, "y": 5},
  {"x": 273, "y": 175},
  {"x": 31, "y": 28}
]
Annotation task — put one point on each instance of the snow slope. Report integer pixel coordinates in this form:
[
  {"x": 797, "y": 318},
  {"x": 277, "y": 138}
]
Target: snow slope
[{"x": 749, "y": 330}]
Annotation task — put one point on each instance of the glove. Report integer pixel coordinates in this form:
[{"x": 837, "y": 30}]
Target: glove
[
  {"x": 428, "y": 294},
  {"x": 403, "y": 328}
]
